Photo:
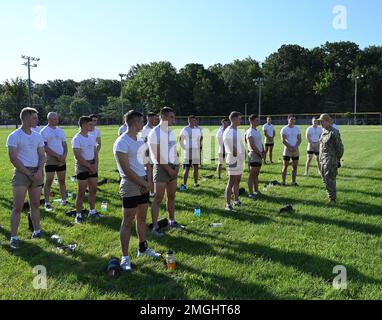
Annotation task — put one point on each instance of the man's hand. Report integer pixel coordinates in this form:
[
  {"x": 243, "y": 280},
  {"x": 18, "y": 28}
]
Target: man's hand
[
  {"x": 145, "y": 187},
  {"x": 36, "y": 176},
  {"x": 93, "y": 168}
]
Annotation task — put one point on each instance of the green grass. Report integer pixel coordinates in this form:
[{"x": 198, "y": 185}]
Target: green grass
[{"x": 257, "y": 254}]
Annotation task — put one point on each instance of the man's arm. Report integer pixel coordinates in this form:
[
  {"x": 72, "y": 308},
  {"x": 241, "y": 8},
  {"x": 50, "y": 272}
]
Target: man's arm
[
  {"x": 308, "y": 136},
  {"x": 285, "y": 141},
  {"x": 338, "y": 146},
  {"x": 65, "y": 146},
  {"x": 299, "y": 140},
  {"x": 156, "y": 150},
  {"x": 50, "y": 152},
  {"x": 123, "y": 160},
  {"x": 254, "y": 147},
  {"x": 12, "y": 152},
  {"x": 99, "y": 144},
  {"x": 267, "y": 135},
  {"x": 80, "y": 159}
]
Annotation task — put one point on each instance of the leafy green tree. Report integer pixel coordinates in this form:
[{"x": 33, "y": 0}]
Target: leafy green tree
[{"x": 80, "y": 107}]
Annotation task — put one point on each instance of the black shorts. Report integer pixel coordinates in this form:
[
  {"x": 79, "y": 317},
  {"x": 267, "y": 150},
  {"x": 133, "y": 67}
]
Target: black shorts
[
  {"x": 134, "y": 202},
  {"x": 312, "y": 152},
  {"x": 255, "y": 164},
  {"x": 189, "y": 164},
  {"x": 269, "y": 144},
  {"x": 86, "y": 175},
  {"x": 293, "y": 158},
  {"x": 50, "y": 169}
]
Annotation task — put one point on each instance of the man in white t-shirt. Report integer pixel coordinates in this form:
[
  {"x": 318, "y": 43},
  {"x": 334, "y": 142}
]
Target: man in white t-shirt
[
  {"x": 85, "y": 153},
  {"x": 95, "y": 131},
  {"x": 291, "y": 139},
  {"x": 163, "y": 153},
  {"x": 235, "y": 158},
  {"x": 56, "y": 151},
  {"x": 129, "y": 152},
  {"x": 152, "y": 121},
  {"x": 255, "y": 156},
  {"x": 313, "y": 135},
  {"x": 221, "y": 150},
  {"x": 269, "y": 133},
  {"x": 190, "y": 140},
  {"x": 26, "y": 153}
]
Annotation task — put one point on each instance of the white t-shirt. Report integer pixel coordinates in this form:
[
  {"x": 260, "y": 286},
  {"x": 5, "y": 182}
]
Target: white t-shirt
[
  {"x": 145, "y": 132},
  {"x": 219, "y": 138},
  {"x": 123, "y": 129},
  {"x": 232, "y": 137},
  {"x": 54, "y": 138},
  {"x": 96, "y": 132},
  {"x": 27, "y": 146},
  {"x": 167, "y": 140},
  {"x": 314, "y": 134},
  {"x": 256, "y": 134},
  {"x": 37, "y": 129},
  {"x": 135, "y": 149},
  {"x": 86, "y": 144},
  {"x": 269, "y": 128},
  {"x": 191, "y": 137},
  {"x": 291, "y": 135}
]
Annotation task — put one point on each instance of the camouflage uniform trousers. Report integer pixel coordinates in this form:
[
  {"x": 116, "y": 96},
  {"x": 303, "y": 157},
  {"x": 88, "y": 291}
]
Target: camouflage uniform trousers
[{"x": 329, "y": 171}]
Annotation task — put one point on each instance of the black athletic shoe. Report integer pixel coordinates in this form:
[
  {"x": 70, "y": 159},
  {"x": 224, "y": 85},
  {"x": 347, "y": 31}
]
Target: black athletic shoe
[{"x": 15, "y": 244}]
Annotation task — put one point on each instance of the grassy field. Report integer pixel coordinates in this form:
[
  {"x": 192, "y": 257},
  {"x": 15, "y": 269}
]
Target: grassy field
[{"x": 257, "y": 254}]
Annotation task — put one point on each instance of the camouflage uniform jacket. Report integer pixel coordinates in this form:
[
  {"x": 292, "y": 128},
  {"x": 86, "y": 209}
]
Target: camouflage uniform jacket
[{"x": 331, "y": 147}]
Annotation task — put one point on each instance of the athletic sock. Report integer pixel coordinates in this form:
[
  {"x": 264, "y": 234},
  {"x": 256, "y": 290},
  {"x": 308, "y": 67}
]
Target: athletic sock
[
  {"x": 171, "y": 222},
  {"x": 79, "y": 215},
  {"x": 92, "y": 211},
  {"x": 15, "y": 238}
]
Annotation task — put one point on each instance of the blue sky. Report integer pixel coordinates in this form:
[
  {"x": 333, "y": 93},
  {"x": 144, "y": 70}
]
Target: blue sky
[{"x": 98, "y": 38}]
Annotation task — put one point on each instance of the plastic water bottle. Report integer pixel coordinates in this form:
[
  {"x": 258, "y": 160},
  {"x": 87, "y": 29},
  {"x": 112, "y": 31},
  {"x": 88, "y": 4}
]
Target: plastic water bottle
[
  {"x": 171, "y": 264},
  {"x": 56, "y": 238},
  {"x": 197, "y": 212},
  {"x": 215, "y": 224},
  {"x": 104, "y": 207},
  {"x": 55, "y": 182}
]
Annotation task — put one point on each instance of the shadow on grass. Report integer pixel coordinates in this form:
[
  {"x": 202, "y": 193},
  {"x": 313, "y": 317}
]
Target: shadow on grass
[
  {"x": 355, "y": 207},
  {"x": 144, "y": 283},
  {"x": 309, "y": 264}
]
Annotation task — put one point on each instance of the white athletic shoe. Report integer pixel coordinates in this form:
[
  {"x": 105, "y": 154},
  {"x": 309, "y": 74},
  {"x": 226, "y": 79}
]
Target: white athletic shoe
[
  {"x": 149, "y": 253},
  {"x": 126, "y": 264}
]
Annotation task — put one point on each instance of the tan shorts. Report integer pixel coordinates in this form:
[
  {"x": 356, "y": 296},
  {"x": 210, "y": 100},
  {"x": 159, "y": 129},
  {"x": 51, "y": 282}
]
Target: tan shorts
[
  {"x": 160, "y": 175},
  {"x": 81, "y": 169},
  {"x": 128, "y": 189},
  {"x": 235, "y": 166},
  {"x": 51, "y": 161},
  {"x": 21, "y": 180},
  {"x": 314, "y": 148},
  {"x": 269, "y": 141},
  {"x": 287, "y": 153},
  {"x": 254, "y": 159}
]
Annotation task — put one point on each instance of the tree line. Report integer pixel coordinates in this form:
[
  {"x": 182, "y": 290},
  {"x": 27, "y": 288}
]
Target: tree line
[{"x": 295, "y": 80}]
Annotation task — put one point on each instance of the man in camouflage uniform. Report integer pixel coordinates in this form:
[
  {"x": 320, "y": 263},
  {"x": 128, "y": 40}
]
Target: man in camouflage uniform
[{"x": 331, "y": 152}]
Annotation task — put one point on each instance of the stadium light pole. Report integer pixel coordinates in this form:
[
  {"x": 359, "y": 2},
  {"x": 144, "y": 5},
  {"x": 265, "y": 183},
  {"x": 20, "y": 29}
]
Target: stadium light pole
[
  {"x": 260, "y": 83},
  {"x": 356, "y": 78},
  {"x": 122, "y": 75},
  {"x": 28, "y": 64}
]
